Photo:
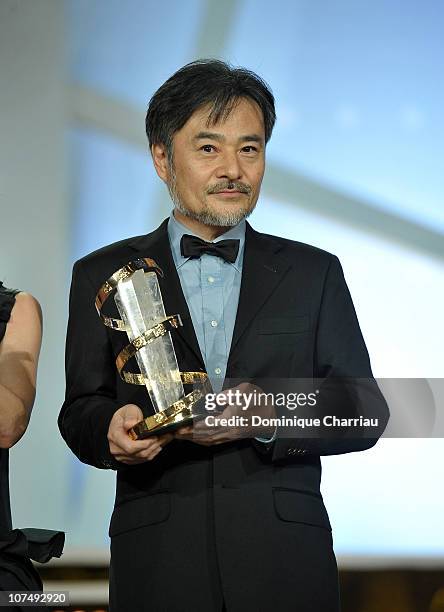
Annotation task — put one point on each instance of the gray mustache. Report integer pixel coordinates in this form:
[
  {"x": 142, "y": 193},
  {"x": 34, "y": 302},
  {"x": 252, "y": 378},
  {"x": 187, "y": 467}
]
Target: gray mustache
[{"x": 234, "y": 185}]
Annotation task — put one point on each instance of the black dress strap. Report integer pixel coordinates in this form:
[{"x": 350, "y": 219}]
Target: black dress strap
[{"x": 7, "y": 299}]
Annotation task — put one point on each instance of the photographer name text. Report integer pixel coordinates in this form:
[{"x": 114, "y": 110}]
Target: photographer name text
[{"x": 329, "y": 420}]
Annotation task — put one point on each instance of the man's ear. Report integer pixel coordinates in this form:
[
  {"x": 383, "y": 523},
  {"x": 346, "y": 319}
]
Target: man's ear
[{"x": 160, "y": 160}]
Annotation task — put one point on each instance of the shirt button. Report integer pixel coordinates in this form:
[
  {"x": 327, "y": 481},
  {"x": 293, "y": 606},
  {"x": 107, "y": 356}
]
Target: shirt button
[
  {"x": 210, "y": 279},
  {"x": 213, "y": 323},
  {"x": 217, "y": 371}
]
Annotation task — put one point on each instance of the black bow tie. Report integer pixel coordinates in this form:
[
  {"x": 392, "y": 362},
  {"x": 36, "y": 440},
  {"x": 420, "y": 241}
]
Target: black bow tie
[{"x": 192, "y": 246}]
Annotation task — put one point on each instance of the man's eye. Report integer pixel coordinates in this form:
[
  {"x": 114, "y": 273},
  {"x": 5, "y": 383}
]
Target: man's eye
[
  {"x": 208, "y": 148},
  {"x": 249, "y": 149}
]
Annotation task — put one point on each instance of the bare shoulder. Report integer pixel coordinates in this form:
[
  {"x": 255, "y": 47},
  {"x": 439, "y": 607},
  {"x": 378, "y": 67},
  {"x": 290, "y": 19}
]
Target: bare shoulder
[
  {"x": 26, "y": 308},
  {"x": 24, "y": 328},
  {"x": 28, "y": 302}
]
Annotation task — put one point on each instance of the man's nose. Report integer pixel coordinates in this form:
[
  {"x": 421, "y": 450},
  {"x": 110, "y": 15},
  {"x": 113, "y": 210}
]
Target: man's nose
[{"x": 229, "y": 167}]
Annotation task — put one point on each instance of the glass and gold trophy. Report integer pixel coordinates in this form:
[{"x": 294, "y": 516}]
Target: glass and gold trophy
[{"x": 139, "y": 301}]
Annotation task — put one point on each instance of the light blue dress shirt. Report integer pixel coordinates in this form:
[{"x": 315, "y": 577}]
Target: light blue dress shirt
[{"x": 211, "y": 287}]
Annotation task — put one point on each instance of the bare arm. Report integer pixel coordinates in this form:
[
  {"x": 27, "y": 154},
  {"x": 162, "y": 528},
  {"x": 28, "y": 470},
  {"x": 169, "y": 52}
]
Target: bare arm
[{"x": 19, "y": 352}]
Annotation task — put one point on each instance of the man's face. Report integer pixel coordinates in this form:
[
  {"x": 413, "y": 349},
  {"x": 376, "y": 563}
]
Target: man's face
[{"x": 217, "y": 170}]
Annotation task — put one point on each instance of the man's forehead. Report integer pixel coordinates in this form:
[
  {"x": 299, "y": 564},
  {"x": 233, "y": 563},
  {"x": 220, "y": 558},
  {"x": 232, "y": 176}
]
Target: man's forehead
[{"x": 243, "y": 108}]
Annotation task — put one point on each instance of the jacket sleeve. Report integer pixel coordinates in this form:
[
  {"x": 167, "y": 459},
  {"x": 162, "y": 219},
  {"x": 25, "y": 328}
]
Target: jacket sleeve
[
  {"x": 347, "y": 389},
  {"x": 90, "y": 399}
]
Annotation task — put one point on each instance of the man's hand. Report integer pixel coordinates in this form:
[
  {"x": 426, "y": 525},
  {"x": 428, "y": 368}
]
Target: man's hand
[
  {"x": 207, "y": 435},
  {"x": 129, "y": 451}
]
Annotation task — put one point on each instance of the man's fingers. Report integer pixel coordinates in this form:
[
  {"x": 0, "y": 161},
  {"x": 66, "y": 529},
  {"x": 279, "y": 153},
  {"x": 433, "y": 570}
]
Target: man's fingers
[
  {"x": 129, "y": 460},
  {"x": 183, "y": 434},
  {"x": 124, "y": 444},
  {"x": 208, "y": 436},
  {"x": 129, "y": 451},
  {"x": 150, "y": 452},
  {"x": 131, "y": 414},
  {"x": 130, "y": 421},
  {"x": 165, "y": 439},
  {"x": 141, "y": 457}
]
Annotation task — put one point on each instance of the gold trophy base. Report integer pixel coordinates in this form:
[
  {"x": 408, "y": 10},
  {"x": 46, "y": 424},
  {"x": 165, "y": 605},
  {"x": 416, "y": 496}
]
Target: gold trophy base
[
  {"x": 181, "y": 413},
  {"x": 151, "y": 427}
]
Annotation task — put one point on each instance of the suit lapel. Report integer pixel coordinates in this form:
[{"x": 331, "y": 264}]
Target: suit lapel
[
  {"x": 156, "y": 245},
  {"x": 263, "y": 269}
]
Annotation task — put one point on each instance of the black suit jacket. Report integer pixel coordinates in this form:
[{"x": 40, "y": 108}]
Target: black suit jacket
[{"x": 242, "y": 522}]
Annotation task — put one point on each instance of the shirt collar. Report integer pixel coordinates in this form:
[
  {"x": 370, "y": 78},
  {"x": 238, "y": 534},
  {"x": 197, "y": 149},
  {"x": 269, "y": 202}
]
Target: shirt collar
[{"x": 176, "y": 230}]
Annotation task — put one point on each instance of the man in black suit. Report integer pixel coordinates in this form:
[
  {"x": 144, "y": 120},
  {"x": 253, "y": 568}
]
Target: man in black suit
[{"x": 210, "y": 518}]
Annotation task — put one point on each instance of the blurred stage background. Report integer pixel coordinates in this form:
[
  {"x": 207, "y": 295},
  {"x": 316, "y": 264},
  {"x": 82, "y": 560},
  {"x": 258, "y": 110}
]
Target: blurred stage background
[{"x": 355, "y": 167}]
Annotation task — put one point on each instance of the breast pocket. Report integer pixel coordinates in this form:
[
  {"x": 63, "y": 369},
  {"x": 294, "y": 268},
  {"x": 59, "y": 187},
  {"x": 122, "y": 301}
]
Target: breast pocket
[
  {"x": 294, "y": 506},
  {"x": 283, "y": 325},
  {"x": 140, "y": 512}
]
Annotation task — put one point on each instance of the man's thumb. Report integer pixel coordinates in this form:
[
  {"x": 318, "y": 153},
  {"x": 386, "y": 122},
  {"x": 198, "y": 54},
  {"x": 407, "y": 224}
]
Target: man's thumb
[{"x": 133, "y": 415}]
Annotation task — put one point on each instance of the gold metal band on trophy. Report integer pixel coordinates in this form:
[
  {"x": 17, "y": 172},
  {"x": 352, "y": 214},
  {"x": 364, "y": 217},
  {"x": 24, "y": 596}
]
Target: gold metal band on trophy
[
  {"x": 144, "y": 263},
  {"x": 160, "y": 329}
]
